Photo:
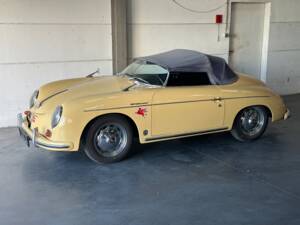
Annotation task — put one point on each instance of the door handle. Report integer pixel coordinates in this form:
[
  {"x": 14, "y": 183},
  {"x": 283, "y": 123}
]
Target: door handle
[{"x": 218, "y": 100}]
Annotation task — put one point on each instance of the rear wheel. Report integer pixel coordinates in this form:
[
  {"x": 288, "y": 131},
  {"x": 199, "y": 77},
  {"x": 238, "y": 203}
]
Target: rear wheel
[
  {"x": 108, "y": 140},
  {"x": 250, "y": 123}
]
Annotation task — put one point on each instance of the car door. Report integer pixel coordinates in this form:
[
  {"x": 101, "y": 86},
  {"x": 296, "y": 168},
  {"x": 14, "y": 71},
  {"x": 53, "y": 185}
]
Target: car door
[{"x": 186, "y": 110}]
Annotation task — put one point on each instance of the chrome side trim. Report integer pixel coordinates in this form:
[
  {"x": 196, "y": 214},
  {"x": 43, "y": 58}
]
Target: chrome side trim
[
  {"x": 139, "y": 103},
  {"x": 179, "y": 102},
  {"x": 262, "y": 96},
  {"x": 124, "y": 107},
  {"x": 183, "y": 102}
]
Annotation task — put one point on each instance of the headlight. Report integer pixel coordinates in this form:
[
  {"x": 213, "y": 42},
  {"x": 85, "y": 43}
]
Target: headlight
[
  {"x": 56, "y": 116},
  {"x": 33, "y": 98}
]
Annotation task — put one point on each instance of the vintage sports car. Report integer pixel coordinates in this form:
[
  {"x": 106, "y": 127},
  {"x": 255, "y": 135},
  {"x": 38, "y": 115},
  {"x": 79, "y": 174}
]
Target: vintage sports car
[{"x": 175, "y": 94}]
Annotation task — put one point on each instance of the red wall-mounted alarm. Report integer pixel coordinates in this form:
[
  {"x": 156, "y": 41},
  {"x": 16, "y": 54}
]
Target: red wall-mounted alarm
[{"x": 219, "y": 18}]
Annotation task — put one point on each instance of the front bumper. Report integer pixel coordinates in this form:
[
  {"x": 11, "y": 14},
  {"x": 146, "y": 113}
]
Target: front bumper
[{"x": 38, "y": 140}]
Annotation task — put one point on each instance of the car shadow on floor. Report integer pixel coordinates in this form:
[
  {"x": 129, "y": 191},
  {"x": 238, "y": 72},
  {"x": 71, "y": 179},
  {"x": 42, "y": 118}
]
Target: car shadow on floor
[{"x": 207, "y": 144}]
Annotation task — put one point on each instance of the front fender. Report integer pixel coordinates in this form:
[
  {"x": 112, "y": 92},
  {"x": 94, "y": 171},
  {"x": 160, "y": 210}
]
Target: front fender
[
  {"x": 72, "y": 127},
  {"x": 78, "y": 114}
]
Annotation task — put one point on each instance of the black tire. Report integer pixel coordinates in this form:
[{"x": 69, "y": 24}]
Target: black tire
[
  {"x": 99, "y": 135},
  {"x": 256, "y": 130}
]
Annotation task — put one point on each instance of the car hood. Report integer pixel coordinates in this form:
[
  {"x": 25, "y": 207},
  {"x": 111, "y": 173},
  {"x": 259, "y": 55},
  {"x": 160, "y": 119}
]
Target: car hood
[{"x": 82, "y": 87}]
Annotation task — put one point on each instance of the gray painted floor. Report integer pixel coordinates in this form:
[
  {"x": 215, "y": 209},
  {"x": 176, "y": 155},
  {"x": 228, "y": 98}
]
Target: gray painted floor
[{"x": 202, "y": 180}]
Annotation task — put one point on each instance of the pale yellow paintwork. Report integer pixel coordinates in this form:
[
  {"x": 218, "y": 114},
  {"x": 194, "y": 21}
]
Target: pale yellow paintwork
[{"x": 171, "y": 111}]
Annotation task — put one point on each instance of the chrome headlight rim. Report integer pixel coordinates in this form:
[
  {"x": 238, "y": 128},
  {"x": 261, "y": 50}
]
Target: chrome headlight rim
[
  {"x": 33, "y": 98},
  {"x": 56, "y": 116}
]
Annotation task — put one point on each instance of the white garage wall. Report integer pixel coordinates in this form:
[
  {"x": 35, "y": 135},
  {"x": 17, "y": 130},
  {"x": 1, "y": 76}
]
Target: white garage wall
[
  {"x": 42, "y": 41},
  {"x": 161, "y": 25},
  {"x": 284, "y": 48}
]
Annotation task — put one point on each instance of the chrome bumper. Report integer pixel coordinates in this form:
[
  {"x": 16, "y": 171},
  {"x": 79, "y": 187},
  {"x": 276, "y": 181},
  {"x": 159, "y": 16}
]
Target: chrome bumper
[
  {"x": 287, "y": 114},
  {"x": 37, "y": 140}
]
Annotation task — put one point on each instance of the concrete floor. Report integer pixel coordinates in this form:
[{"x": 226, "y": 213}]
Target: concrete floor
[{"x": 202, "y": 180}]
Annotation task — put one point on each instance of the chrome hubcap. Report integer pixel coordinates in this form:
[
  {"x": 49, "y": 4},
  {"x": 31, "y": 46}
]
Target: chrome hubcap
[
  {"x": 252, "y": 121},
  {"x": 110, "y": 140}
]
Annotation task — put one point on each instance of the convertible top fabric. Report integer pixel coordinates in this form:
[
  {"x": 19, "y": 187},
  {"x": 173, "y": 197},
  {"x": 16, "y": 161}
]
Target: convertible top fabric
[{"x": 182, "y": 60}]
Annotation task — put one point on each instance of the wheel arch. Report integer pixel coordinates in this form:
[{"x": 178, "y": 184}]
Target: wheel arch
[
  {"x": 267, "y": 108},
  {"x": 129, "y": 119}
]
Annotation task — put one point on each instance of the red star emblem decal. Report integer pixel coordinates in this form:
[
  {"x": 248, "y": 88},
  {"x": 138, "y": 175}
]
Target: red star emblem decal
[{"x": 141, "y": 111}]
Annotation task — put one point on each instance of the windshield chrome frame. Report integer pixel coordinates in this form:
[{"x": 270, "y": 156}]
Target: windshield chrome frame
[
  {"x": 164, "y": 84},
  {"x": 167, "y": 79}
]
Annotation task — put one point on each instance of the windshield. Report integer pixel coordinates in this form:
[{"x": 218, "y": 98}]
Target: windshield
[{"x": 146, "y": 72}]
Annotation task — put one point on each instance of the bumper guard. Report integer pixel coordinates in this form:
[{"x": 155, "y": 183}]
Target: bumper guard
[{"x": 32, "y": 135}]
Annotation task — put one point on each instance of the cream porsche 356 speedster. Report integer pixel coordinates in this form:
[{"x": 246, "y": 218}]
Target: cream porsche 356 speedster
[{"x": 171, "y": 95}]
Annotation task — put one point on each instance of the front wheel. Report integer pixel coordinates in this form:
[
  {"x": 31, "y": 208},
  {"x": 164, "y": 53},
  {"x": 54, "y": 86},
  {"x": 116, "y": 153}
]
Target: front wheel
[
  {"x": 108, "y": 140},
  {"x": 250, "y": 123}
]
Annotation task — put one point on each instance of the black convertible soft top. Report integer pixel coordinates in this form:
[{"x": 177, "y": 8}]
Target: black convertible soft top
[{"x": 182, "y": 60}]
